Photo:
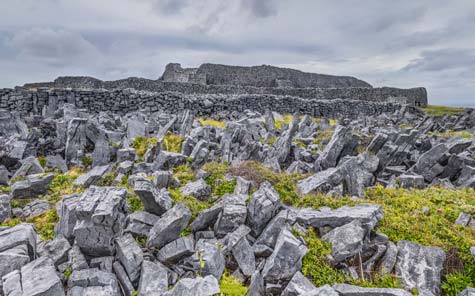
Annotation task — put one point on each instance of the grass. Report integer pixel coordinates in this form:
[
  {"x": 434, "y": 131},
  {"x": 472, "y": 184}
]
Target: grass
[
  {"x": 217, "y": 172},
  {"x": 323, "y": 137},
  {"x": 5, "y": 189},
  {"x": 433, "y": 110},
  {"x": 184, "y": 174},
  {"x": 212, "y": 123},
  {"x": 172, "y": 142},
  {"x": 450, "y": 134},
  {"x": 141, "y": 144},
  {"x": 405, "y": 220},
  {"x": 42, "y": 160},
  {"x": 193, "y": 204},
  {"x": 231, "y": 286},
  {"x": 286, "y": 120},
  {"x": 45, "y": 223}
]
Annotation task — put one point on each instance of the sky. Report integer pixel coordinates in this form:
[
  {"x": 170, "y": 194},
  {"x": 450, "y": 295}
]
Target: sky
[{"x": 402, "y": 43}]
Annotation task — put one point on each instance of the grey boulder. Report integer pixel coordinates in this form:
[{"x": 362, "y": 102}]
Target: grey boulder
[
  {"x": 346, "y": 240},
  {"x": 155, "y": 201},
  {"x": 31, "y": 186},
  {"x": 169, "y": 226}
]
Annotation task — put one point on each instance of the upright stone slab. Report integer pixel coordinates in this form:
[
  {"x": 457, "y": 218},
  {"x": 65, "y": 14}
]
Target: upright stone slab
[
  {"x": 101, "y": 214},
  {"x": 263, "y": 206}
]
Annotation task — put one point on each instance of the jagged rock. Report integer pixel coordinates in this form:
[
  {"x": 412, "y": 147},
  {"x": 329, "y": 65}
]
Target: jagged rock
[
  {"x": 167, "y": 160},
  {"x": 57, "y": 250},
  {"x": 256, "y": 287},
  {"x": 198, "y": 189},
  {"x": 56, "y": 162},
  {"x": 175, "y": 250},
  {"x": 411, "y": 181},
  {"x": 130, "y": 255},
  {"x": 242, "y": 186},
  {"x": 282, "y": 220},
  {"x": 349, "y": 290},
  {"x": 420, "y": 266},
  {"x": 300, "y": 285},
  {"x": 169, "y": 226},
  {"x": 35, "y": 208},
  {"x": 91, "y": 281},
  {"x": 343, "y": 142},
  {"x": 66, "y": 210},
  {"x": 206, "y": 218},
  {"x": 140, "y": 223},
  {"x": 36, "y": 278},
  {"x": 124, "y": 282},
  {"x": 77, "y": 261},
  {"x": 93, "y": 176},
  {"x": 286, "y": 259},
  {"x": 126, "y": 154},
  {"x": 355, "y": 176},
  {"x": 463, "y": 219},
  {"x": 101, "y": 214},
  {"x": 4, "y": 176},
  {"x": 212, "y": 258},
  {"x": 263, "y": 206},
  {"x": 244, "y": 256},
  {"x": 233, "y": 214},
  {"x": 468, "y": 292},
  {"x": 368, "y": 214},
  {"x": 5, "y": 209},
  {"x": 153, "y": 279},
  {"x": 31, "y": 186},
  {"x": 103, "y": 263},
  {"x": 206, "y": 286},
  {"x": 232, "y": 238},
  {"x": 155, "y": 201},
  {"x": 29, "y": 166},
  {"x": 76, "y": 139},
  {"x": 322, "y": 181},
  {"x": 346, "y": 240},
  {"x": 136, "y": 127},
  {"x": 162, "y": 179},
  {"x": 428, "y": 163},
  {"x": 388, "y": 261},
  {"x": 101, "y": 154}
]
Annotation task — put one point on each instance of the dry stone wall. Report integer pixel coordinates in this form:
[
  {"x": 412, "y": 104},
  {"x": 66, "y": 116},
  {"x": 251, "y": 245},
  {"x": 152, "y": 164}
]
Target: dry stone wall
[{"x": 125, "y": 101}]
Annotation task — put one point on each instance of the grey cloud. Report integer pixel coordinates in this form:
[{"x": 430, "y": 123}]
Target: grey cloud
[
  {"x": 52, "y": 46},
  {"x": 261, "y": 8},
  {"x": 169, "y": 6},
  {"x": 443, "y": 59}
]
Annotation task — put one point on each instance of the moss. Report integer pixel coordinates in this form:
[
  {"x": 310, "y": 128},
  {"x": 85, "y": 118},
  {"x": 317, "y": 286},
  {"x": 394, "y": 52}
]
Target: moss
[
  {"x": 63, "y": 184},
  {"x": 450, "y": 134},
  {"x": 45, "y": 223},
  {"x": 141, "y": 144},
  {"x": 433, "y": 110},
  {"x": 299, "y": 143},
  {"x": 184, "y": 173},
  {"x": 323, "y": 137},
  {"x": 68, "y": 271},
  {"x": 286, "y": 120},
  {"x": 212, "y": 122},
  {"x": 134, "y": 202},
  {"x": 193, "y": 204},
  {"x": 42, "y": 160},
  {"x": 223, "y": 187},
  {"x": 20, "y": 203},
  {"x": 87, "y": 161},
  {"x": 107, "y": 179},
  {"x": 231, "y": 286},
  {"x": 17, "y": 178},
  {"x": 172, "y": 142},
  {"x": 5, "y": 189},
  {"x": 11, "y": 222},
  {"x": 315, "y": 265}
]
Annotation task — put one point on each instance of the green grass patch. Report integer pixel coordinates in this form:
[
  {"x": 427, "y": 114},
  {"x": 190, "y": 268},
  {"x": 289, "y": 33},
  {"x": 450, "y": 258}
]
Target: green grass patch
[
  {"x": 450, "y": 134},
  {"x": 231, "y": 286},
  {"x": 172, "y": 142},
  {"x": 433, "y": 110},
  {"x": 141, "y": 144},
  {"x": 5, "y": 189},
  {"x": 42, "y": 160},
  {"x": 286, "y": 120},
  {"x": 184, "y": 174},
  {"x": 212, "y": 122},
  {"x": 193, "y": 204},
  {"x": 45, "y": 223}
]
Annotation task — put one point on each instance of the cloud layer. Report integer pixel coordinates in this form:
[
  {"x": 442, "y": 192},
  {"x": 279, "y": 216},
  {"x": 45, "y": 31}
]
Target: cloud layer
[{"x": 396, "y": 43}]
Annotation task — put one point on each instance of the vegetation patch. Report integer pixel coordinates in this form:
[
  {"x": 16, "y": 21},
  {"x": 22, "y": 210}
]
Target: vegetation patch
[
  {"x": 433, "y": 110},
  {"x": 45, "y": 223},
  {"x": 141, "y": 144},
  {"x": 286, "y": 120},
  {"x": 450, "y": 134},
  {"x": 172, "y": 142},
  {"x": 231, "y": 286},
  {"x": 193, "y": 204},
  {"x": 212, "y": 122},
  {"x": 184, "y": 174}
]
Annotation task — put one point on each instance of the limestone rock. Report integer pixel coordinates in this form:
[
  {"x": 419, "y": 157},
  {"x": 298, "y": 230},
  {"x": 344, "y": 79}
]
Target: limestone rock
[
  {"x": 155, "y": 201},
  {"x": 346, "y": 240},
  {"x": 31, "y": 186},
  {"x": 169, "y": 226}
]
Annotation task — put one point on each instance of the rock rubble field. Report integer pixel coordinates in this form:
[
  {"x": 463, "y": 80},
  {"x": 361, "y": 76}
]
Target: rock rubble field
[{"x": 237, "y": 203}]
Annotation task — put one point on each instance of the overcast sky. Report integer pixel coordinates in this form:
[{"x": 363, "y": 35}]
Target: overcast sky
[{"x": 404, "y": 43}]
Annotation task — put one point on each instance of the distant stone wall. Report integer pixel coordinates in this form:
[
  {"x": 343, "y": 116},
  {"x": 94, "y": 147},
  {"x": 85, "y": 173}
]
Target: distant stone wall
[
  {"x": 270, "y": 76},
  {"x": 125, "y": 101},
  {"x": 414, "y": 96}
]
